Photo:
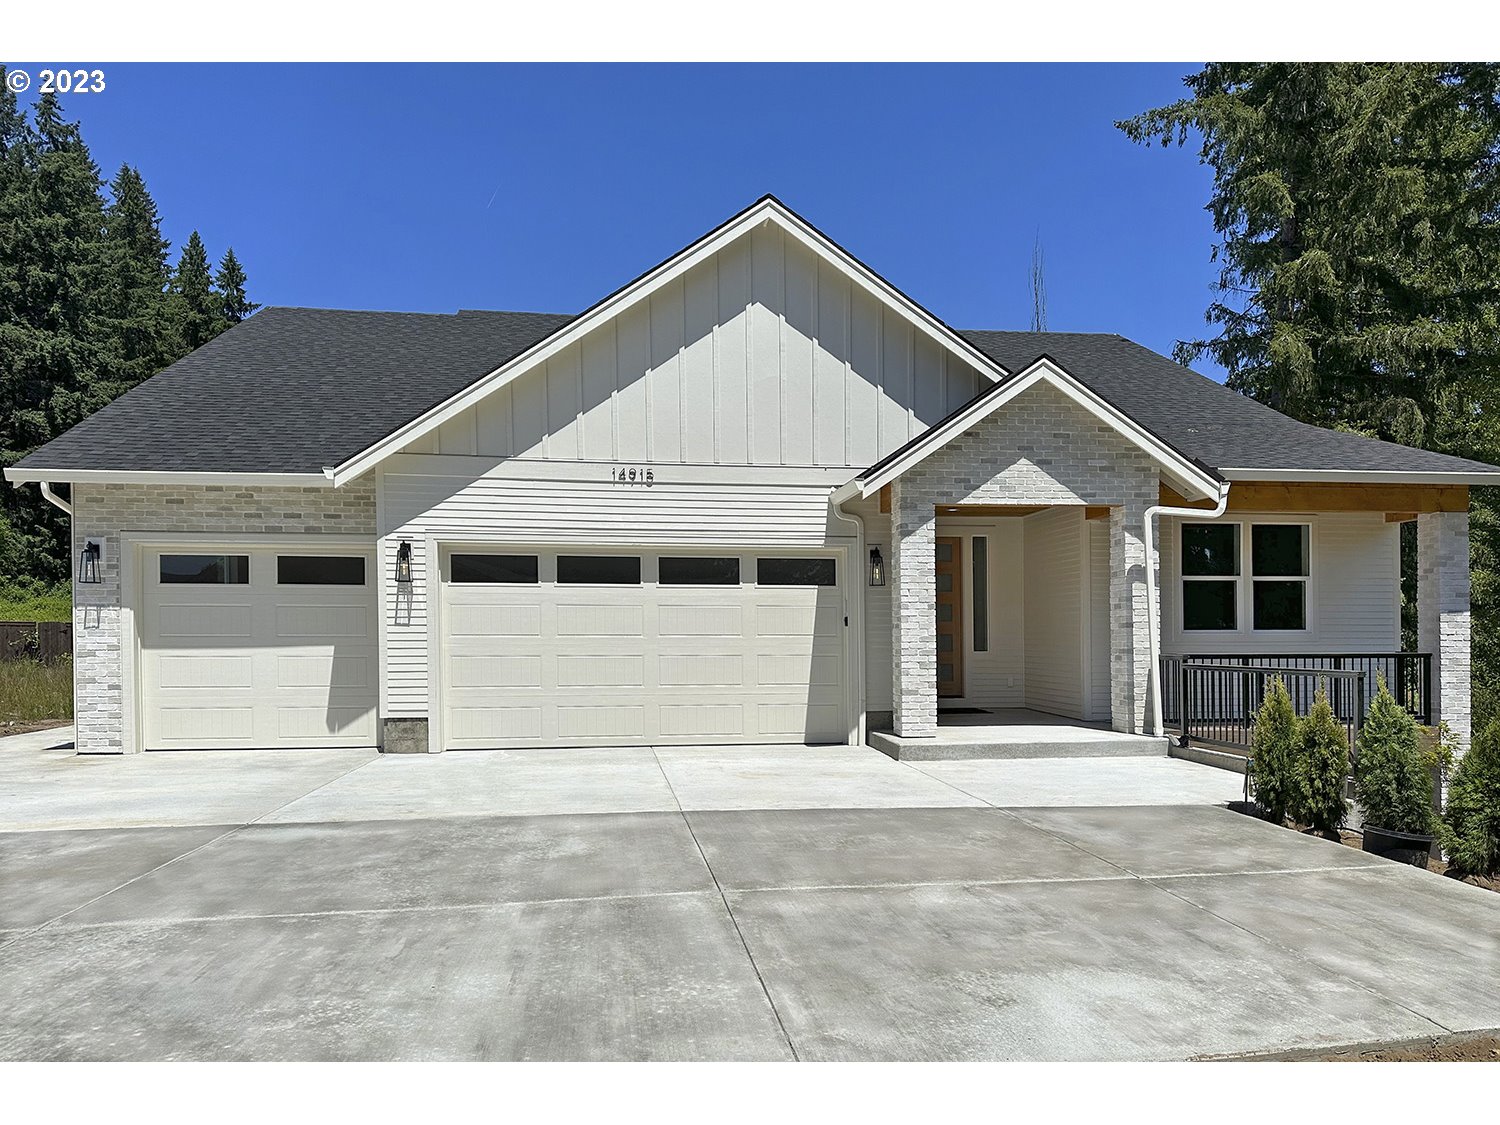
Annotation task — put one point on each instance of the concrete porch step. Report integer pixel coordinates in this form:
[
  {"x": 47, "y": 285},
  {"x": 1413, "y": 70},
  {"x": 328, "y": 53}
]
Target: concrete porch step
[{"x": 954, "y": 743}]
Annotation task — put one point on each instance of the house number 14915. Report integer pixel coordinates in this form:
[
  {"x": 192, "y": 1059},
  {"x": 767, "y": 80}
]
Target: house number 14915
[{"x": 629, "y": 474}]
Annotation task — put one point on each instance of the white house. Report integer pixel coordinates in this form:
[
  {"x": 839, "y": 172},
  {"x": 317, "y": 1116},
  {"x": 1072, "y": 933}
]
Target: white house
[{"x": 755, "y": 495}]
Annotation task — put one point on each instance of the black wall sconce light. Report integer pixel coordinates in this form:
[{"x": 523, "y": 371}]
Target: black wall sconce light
[
  {"x": 403, "y": 566},
  {"x": 877, "y": 567},
  {"x": 88, "y": 563}
]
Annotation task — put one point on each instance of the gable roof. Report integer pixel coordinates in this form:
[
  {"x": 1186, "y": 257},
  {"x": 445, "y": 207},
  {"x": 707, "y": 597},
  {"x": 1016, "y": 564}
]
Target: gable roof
[
  {"x": 768, "y": 210},
  {"x": 1190, "y": 477},
  {"x": 315, "y": 396},
  {"x": 1241, "y": 438}
]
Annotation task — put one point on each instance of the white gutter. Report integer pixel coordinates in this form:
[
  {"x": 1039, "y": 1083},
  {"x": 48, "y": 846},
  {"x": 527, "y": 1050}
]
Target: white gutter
[
  {"x": 1354, "y": 476},
  {"x": 1153, "y": 623},
  {"x": 53, "y": 498}
]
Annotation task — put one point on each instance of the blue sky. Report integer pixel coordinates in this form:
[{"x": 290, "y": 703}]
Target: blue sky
[{"x": 538, "y": 187}]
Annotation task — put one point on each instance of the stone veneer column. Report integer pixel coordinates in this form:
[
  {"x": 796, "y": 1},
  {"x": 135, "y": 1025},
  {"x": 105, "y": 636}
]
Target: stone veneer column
[
  {"x": 1443, "y": 615},
  {"x": 1129, "y": 640},
  {"x": 914, "y": 617}
]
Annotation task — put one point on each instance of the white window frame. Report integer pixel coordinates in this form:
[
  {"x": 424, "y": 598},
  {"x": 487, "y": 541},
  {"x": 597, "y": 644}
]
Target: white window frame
[
  {"x": 1236, "y": 580},
  {"x": 1252, "y": 577},
  {"x": 1244, "y": 581}
]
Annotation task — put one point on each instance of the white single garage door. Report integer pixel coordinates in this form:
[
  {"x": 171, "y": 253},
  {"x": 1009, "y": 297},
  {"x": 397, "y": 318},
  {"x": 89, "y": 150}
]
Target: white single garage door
[
  {"x": 249, "y": 647},
  {"x": 595, "y": 648}
]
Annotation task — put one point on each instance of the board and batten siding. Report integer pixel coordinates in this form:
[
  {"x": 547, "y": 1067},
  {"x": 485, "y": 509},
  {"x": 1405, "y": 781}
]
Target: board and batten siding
[
  {"x": 1354, "y": 595},
  {"x": 764, "y": 354},
  {"x": 1056, "y": 596},
  {"x": 422, "y": 502}
]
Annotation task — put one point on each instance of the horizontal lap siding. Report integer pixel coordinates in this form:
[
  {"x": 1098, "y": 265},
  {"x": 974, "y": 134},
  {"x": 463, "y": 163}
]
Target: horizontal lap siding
[
  {"x": 605, "y": 517},
  {"x": 1054, "y": 611},
  {"x": 1354, "y": 598}
]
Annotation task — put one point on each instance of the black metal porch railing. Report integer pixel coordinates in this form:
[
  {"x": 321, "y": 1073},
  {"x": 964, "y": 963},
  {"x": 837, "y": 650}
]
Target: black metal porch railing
[
  {"x": 1222, "y": 699},
  {"x": 1214, "y": 698}
]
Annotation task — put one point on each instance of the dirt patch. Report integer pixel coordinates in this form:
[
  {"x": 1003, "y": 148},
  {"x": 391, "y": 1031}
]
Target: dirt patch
[
  {"x": 1351, "y": 838},
  {"x": 28, "y": 728},
  {"x": 1485, "y": 1048}
]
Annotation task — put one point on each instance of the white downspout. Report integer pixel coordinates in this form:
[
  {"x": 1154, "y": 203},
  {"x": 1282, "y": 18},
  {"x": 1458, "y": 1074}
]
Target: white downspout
[
  {"x": 837, "y": 500},
  {"x": 53, "y": 498},
  {"x": 1153, "y": 622}
]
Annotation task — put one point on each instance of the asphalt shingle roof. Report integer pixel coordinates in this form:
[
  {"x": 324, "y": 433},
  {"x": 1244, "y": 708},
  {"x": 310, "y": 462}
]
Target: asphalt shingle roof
[{"x": 294, "y": 390}]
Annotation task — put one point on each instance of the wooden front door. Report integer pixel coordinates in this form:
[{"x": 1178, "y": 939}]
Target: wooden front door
[{"x": 950, "y": 617}]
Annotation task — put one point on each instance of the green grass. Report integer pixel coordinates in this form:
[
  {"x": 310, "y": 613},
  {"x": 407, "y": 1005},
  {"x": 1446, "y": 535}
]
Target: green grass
[
  {"x": 34, "y": 692},
  {"x": 33, "y": 601}
]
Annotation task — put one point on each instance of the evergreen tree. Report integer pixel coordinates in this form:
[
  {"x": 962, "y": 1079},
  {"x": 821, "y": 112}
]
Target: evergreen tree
[
  {"x": 1358, "y": 210},
  {"x": 134, "y": 310},
  {"x": 1322, "y": 769},
  {"x": 198, "y": 307},
  {"x": 1273, "y": 750},
  {"x": 1471, "y": 821},
  {"x": 234, "y": 305},
  {"x": 1391, "y": 782},
  {"x": 87, "y": 307},
  {"x": 51, "y": 223}
]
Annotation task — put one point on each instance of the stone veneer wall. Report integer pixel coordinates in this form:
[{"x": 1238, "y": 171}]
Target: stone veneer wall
[
  {"x": 1443, "y": 616},
  {"x": 1041, "y": 448},
  {"x": 105, "y": 511}
]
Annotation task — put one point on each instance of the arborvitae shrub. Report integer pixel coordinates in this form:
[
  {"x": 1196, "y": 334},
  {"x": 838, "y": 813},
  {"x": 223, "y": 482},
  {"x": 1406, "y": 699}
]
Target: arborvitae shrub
[
  {"x": 1471, "y": 822},
  {"x": 1273, "y": 752},
  {"x": 1392, "y": 781},
  {"x": 1321, "y": 767}
]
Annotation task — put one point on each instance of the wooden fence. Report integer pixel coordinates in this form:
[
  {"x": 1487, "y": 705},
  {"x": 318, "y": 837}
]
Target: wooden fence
[{"x": 35, "y": 640}]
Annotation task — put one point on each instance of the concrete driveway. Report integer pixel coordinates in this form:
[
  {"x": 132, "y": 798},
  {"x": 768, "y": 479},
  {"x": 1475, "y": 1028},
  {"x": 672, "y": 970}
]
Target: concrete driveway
[{"x": 694, "y": 903}]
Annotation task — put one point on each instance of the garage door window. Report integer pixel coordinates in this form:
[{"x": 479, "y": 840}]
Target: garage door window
[
  {"x": 207, "y": 570},
  {"x": 599, "y": 570},
  {"x": 796, "y": 572},
  {"x": 690, "y": 570},
  {"x": 505, "y": 569},
  {"x": 320, "y": 570}
]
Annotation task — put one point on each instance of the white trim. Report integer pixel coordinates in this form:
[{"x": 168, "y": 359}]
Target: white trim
[
  {"x": 19, "y": 476},
  {"x": 1196, "y": 480},
  {"x": 765, "y": 211},
  {"x": 1350, "y": 476}
]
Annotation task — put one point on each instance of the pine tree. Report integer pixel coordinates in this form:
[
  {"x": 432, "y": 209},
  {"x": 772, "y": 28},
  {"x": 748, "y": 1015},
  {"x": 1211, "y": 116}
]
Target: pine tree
[
  {"x": 1358, "y": 209},
  {"x": 198, "y": 307},
  {"x": 1322, "y": 769},
  {"x": 52, "y": 218},
  {"x": 1391, "y": 782},
  {"x": 1273, "y": 749},
  {"x": 234, "y": 305},
  {"x": 1471, "y": 822},
  {"x": 134, "y": 310}
]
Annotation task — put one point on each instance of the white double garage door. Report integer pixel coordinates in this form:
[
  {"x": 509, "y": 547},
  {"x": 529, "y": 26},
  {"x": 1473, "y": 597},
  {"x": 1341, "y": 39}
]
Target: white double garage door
[
  {"x": 257, "y": 647},
  {"x": 577, "y": 647}
]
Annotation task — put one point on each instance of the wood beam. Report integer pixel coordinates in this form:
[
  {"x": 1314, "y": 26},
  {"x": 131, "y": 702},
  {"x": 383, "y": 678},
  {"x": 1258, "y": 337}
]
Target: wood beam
[
  {"x": 1096, "y": 512},
  {"x": 885, "y": 498},
  {"x": 1400, "y": 517},
  {"x": 1286, "y": 496}
]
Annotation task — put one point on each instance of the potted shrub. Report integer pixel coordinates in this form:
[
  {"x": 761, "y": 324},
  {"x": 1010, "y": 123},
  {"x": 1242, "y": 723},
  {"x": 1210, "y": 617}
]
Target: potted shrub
[
  {"x": 1393, "y": 783},
  {"x": 1322, "y": 768},
  {"x": 1273, "y": 747},
  {"x": 1471, "y": 822}
]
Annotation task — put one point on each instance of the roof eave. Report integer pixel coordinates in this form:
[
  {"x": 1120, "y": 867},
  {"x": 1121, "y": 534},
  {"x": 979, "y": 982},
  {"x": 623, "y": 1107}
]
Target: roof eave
[
  {"x": 1363, "y": 476},
  {"x": 34, "y": 474}
]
